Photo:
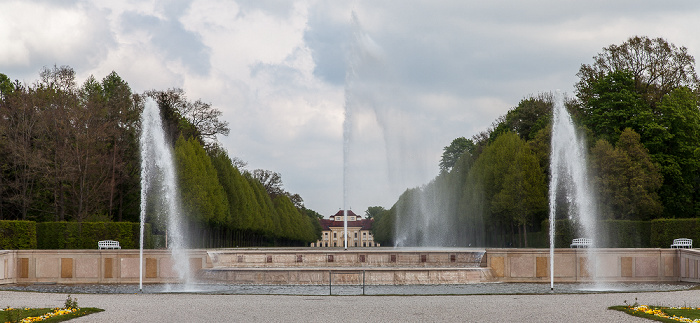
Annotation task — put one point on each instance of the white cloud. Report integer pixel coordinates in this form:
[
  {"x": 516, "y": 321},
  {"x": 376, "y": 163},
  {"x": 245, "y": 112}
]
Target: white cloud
[{"x": 277, "y": 71}]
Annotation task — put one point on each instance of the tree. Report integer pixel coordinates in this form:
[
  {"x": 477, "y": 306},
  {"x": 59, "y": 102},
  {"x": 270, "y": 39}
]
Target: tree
[
  {"x": 271, "y": 181},
  {"x": 675, "y": 145},
  {"x": 626, "y": 178},
  {"x": 511, "y": 180},
  {"x": 123, "y": 115},
  {"x": 191, "y": 119},
  {"x": 373, "y": 211},
  {"x": 452, "y": 152},
  {"x": 6, "y": 86},
  {"x": 615, "y": 104},
  {"x": 657, "y": 67},
  {"x": 531, "y": 115},
  {"x": 203, "y": 197}
]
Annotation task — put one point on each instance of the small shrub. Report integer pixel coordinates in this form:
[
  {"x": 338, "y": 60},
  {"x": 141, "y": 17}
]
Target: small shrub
[{"x": 71, "y": 303}]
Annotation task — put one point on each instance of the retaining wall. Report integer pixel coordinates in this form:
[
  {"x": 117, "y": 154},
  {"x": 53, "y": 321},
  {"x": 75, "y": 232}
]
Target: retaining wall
[
  {"x": 92, "y": 266},
  {"x": 582, "y": 265},
  {"x": 380, "y": 266}
]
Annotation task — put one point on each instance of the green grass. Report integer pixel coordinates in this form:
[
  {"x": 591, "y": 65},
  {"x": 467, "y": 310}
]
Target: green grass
[
  {"x": 686, "y": 313},
  {"x": 691, "y": 314},
  {"x": 14, "y": 315}
]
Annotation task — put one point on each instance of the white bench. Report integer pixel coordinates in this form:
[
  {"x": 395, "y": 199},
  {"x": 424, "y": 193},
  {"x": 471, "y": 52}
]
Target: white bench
[
  {"x": 682, "y": 243},
  {"x": 108, "y": 244},
  {"x": 581, "y": 243}
]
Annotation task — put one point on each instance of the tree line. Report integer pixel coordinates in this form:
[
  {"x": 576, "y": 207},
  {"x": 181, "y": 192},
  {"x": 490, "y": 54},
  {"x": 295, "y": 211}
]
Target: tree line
[
  {"x": 638, "y": 106},
  {"x": 70, "y": 152}
]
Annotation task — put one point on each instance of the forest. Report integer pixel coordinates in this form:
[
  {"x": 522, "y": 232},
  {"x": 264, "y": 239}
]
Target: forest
[
  {"x": 70, "y": 152},
  {"x": 637, "y": 106}
]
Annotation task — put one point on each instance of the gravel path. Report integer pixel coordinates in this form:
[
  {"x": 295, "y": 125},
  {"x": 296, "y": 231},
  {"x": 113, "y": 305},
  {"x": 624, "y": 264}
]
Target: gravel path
[{"x": 279, "y": 308}]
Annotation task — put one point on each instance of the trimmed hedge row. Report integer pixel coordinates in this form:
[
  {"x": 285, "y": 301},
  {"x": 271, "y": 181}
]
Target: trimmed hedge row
[
  {"x": 85, "y": 235},
  {"x": 663, "y": 231},
  {"x": 657, "y": 233},
  {"x": 16, "y": 235}
]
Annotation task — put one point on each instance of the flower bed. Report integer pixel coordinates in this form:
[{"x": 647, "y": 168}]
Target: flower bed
[{"x": 664, "y": 314}]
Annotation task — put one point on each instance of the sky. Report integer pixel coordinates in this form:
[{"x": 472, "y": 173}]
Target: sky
[{"x": 352, "y": 102}]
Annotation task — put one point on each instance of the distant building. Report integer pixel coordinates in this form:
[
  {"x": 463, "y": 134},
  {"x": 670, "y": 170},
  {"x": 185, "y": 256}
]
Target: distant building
[{"x": 359, "y": 231}]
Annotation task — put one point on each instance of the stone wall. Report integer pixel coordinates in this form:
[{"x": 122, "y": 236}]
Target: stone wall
[
  {"x": 92, "y": 266},
  {"x": 377, "y": 266},
  {"x": 339, "y": 258},
  {"x": 582, "y": 265},
  {"x": 689, "y": 262}
]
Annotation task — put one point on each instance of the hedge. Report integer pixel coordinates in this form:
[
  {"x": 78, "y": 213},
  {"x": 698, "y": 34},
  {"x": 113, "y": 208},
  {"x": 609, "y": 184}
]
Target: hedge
[
  {"x": 612, "y": 234},
  {"x": 663, "y": 231},
  {"x": 17, "y": 235},
  {"x": 85, "y": 235}
]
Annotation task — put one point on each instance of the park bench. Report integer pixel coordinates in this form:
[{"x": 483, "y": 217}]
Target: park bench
[
  {"x": 581, "y": 243},
  {"x": 682, "y": 243},
  {"x": 108, "y": 244}
]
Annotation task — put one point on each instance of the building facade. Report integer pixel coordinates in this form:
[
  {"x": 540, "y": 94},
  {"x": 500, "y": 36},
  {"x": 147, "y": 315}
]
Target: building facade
[{"x": 359, "y": 231}]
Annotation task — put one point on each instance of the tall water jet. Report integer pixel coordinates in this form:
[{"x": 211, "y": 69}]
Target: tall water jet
[
  {"x": 569, "y": 173},
  {"x": 363, "y": 52},
  {"x": 159, "y": 187}
]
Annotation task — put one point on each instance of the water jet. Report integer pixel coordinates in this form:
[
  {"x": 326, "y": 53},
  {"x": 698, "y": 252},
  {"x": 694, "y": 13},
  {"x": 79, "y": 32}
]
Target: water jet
[{"x": 159, "y": 189}]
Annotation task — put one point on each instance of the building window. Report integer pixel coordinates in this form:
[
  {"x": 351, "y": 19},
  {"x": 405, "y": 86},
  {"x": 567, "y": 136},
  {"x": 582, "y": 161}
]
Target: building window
[
  {"x": 335, "y": 234},
  {"x": 364, "y": 244},
  {"x": 364, "y": 234},
  {"x": 355, "y": 235}
]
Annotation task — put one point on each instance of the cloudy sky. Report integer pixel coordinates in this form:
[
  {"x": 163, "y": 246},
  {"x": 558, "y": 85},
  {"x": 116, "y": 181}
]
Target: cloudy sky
[{"x": 412, "y": 75}]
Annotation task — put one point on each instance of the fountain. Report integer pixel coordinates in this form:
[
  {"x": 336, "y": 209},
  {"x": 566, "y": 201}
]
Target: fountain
[
  {"x": 159, "y": 186},
  {"x": 569, "y": 173}
]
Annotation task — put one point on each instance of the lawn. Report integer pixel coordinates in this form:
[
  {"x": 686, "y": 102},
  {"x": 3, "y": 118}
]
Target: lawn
[{"x": 70, "y": 310}]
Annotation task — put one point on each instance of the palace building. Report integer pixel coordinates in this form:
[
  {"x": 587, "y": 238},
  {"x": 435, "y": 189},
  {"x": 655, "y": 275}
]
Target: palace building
[{"x": 359, "y": 231}]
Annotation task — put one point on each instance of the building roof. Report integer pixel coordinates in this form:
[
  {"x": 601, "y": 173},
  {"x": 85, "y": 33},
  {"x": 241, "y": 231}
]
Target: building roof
[{"x": 363, "y": 224}]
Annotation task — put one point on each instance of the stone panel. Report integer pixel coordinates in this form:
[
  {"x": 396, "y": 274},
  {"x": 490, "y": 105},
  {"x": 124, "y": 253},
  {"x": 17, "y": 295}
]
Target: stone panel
[
  {"x": 23, "y": 267},
  {"x": 583, "y": 269},
  {"x": 646, "y": 267},
  {"x": 47, "y": 267},
  {"x": 306, "y": 277},
  {"x": 151, "y": 268},
  {"x": 167, "y": 268},
  {"x": 668, "y": 266},
  {"x": 542, "y": 267},
  {"x": 607, "y": 266},
  {"x": 417, "y": 277},
  {"x": 195, "y": 265},
  {"x": 66, "y": 267},
  {"x": 442, "y": 258},
  {"x": 284, "y": 259},
  {"x": 274, "y": 277},
  {"x": 564, "y": 266},
  {"x": 498, "y": 266},
  {"x": 109, "y": 267},
  {"x": 522, "y": 266},
  {"x": 626, "y": 265},
  {"x": 87, "y": 267},
  {"x": 379, "y": 278},
  {"x": 129, "y": 267},
  {"x": 247, "y": 277}
]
